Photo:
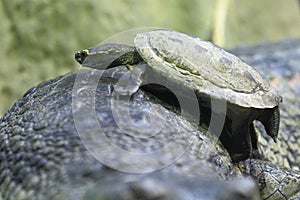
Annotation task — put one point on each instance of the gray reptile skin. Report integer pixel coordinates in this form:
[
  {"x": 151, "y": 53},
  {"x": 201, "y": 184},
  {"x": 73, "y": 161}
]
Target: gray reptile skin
[
  {"x": 42, "y": 156},
  {"x": 280, "y": 64}
]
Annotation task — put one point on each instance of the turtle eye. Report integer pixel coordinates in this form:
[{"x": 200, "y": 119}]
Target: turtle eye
[{"x": 83, "y": 54}]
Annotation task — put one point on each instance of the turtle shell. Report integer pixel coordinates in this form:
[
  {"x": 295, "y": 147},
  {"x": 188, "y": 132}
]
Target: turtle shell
[{"x": 203, "y": 66}]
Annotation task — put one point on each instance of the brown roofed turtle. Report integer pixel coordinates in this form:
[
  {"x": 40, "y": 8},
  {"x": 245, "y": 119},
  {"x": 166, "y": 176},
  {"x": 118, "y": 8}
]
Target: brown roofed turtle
[{"x": 205, "y": 68}]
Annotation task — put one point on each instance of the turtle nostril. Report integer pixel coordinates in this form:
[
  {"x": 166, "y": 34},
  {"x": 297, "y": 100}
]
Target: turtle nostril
[{"x": 78, "y": 57}]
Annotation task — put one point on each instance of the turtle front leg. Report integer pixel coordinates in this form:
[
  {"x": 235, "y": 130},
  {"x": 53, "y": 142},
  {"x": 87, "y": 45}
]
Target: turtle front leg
[
  {"x": 254, "y": 141},
  {"x": 245, "y": 143}
]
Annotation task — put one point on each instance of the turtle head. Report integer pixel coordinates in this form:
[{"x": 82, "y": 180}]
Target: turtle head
[
  {"x": 270, "y": 119},
  {"x": 81, "y": 55}
]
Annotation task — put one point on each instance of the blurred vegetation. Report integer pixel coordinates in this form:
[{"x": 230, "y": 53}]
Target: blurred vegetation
[{"x": 39, "y": 37}]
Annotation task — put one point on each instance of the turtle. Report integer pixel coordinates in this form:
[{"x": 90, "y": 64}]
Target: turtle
[{"x": 208, "y": 70}]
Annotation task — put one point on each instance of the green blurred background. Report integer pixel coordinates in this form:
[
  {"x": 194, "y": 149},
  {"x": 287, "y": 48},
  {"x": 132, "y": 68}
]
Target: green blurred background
[{"x": 39, "y": 37}]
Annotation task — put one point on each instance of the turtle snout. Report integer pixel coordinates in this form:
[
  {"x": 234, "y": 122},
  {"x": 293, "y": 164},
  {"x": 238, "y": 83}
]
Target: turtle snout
[{"x": 80, "y": 56}]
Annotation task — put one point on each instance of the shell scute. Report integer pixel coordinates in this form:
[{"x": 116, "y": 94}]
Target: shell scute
[{"x": 220, "y": 71}]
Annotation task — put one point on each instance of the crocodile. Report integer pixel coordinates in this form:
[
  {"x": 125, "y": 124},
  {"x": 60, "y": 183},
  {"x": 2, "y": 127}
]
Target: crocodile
[{"x": 44, "y": 157}]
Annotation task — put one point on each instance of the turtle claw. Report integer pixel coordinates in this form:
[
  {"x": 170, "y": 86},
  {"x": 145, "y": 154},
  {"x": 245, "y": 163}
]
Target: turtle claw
[
  {"x": 238, "y": 157},
  {"x": 270, "y": 119}
]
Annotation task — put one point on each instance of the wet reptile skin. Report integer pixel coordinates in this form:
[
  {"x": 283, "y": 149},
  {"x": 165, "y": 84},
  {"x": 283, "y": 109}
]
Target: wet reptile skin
[
  {"x": 42, "y": 156},
  {"x": 280, "y": 64}
]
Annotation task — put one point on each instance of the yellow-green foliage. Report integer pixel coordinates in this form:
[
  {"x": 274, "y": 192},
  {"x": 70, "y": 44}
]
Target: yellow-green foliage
[{"x": 39, "y": 37}]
